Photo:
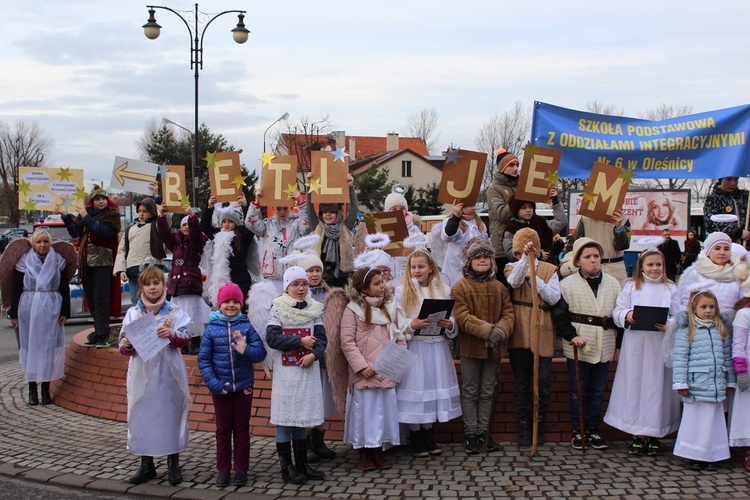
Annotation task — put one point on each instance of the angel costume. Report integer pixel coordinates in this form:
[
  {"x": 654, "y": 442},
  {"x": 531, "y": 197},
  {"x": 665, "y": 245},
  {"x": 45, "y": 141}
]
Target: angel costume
[
  {"x": 296, "y": 393},
  {"x": 44, "y": 299},
  {"x": 158, "y": 391},
  {"x": 642, "y": 402}
]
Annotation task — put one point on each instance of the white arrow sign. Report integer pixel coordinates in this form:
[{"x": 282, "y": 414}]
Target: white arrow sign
[{"x": 133, "y": 175}]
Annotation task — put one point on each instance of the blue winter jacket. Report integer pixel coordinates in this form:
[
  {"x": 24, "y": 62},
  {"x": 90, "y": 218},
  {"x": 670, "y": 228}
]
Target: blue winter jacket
[
  {"x": 222, "y": 367},
  {"x": 705, "y": 364}
]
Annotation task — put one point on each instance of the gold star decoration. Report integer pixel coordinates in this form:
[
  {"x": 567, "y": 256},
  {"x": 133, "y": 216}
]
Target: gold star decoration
[
  {"x": 289, "y": 189},
  {"x": 529, "y": 150},
  {"x": 185, "y": 201},
  {"x": 266, "y": 159},
  {"x": 627, "y": 175},
  {"x": 369, "y": 219},
  {"x": 210, "y": 159},
  {"x": 29, "y": 205},
  {"x": 24, "y": 187},
  {"x": 239, "y": 181},
  {"x": 64, "y": 174},
  {"x": 80, "y": 194},
  {"x": 552, "y": 178},
  {"x": 589, "y": 196},
  {"x": 314, "y": 186}
]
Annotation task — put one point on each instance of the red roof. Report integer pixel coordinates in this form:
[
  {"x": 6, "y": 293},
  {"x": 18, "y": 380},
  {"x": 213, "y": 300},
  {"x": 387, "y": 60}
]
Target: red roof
[{"x": 365, "y": 146}]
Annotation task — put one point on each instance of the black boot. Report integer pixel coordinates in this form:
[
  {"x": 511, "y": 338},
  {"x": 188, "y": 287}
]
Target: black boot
[
  {"x": 311, "y": 456},
  {"x": 174, "y": 474},
  {"x": 33, "y": 397},
  {"x": 46, "y": 399},
  {"x": 300, "y": 459},
  {"x": 289, "y": 472},
  {"x": 195, "y": 345},
  {"x": 317, "y": 444},
  {"x": 540, "y": 430},
  {"x": 145, "y": 472},
  {"x": 429, "y": 442},
  {"x": 524, "y": 432},
  {"x": 416, "y": 440}
]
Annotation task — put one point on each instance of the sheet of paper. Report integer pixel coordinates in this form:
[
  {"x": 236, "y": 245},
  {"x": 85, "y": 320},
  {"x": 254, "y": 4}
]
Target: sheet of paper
[
  {"x": 433, "y": 329},
  {"x": 142, "y": 334},
  {"x": 394, "y": 361}
]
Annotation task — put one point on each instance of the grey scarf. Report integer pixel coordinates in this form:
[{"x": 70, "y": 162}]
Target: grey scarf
[{"x": 331, "y": 245}]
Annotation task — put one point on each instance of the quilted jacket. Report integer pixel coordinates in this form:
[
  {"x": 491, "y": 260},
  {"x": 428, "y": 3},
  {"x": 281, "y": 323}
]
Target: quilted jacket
[
  {"x": 705, "y": 365},
  {"x": 222, "y": 367}
]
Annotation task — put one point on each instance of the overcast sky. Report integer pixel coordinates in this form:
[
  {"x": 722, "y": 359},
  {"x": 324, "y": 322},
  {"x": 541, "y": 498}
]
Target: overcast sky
[{"x": 84, "y": 71}]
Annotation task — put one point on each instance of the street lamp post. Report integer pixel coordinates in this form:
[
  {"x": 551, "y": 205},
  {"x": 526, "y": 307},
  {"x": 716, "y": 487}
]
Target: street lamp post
[
  {"x": 282, "y": 117},
  {"x": 197, "y": 31},
  {"x": 194, "y": 154}
]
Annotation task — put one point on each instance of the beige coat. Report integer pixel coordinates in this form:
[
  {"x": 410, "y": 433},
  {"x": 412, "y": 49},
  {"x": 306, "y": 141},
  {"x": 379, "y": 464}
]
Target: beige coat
[{"x": 480, "y": 307}]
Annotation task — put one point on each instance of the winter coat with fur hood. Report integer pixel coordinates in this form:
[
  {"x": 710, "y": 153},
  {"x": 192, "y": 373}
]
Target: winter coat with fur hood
[{"x": 361, "y": 343}]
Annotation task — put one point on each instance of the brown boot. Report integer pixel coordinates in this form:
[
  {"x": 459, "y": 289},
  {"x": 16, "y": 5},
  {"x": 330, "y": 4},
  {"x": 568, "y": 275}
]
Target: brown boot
[
  {"x": 379, "y": 459},
  {"x": 366, "y": 463}
]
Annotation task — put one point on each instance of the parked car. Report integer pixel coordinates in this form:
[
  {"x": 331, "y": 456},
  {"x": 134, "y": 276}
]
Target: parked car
[
  {"x": 13, "y": 233},
  {"x": 57, "y": 231}
]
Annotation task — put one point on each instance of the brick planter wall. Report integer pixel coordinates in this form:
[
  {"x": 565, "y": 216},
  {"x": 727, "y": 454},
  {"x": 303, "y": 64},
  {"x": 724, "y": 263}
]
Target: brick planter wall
[{"x": 94, "y": 384}]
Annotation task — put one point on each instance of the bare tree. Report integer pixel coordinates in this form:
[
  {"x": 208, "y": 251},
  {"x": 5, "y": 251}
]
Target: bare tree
[
  {"x": 604, "y": 109},
  {"x": 301, "y": 138},
  {"x": 26, "y": 145},
  {"x": 509, "y": 130},
  {"x": 666, "y": 111},
  {"x": 423, "y": 125}
]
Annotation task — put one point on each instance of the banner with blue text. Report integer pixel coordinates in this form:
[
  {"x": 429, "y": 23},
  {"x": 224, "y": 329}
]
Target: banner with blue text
[{"x": 700, "y": 146}]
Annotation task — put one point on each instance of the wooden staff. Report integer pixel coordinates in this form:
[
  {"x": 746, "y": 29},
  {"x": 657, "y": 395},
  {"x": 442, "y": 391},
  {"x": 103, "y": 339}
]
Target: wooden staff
[
  {"x": 747, "y": 219},
  {"x": 580, "y": 400},
  {"x": 536, "y": 338}
]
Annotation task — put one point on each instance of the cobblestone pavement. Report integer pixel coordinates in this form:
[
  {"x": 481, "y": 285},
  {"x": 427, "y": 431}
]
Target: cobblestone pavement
[{"x": 54, "y": 445}]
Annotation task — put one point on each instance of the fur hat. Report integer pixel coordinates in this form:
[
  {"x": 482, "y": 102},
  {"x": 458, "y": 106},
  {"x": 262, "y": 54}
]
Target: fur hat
[
  {"x": 503, "y": 159},
  {"x": 97, "y": 192},
  {"x": 476, "y": 247},
  {"x": 580, "y": 244},
  {"x": 293, "y": 273},
  {"x": 396, "y": 198},
  {"x": 714, "y": 239},
  {"x": 524, "y": 236},
  {"x": 149, "y": 204},
  {"x": 230, "y": 291},
  {"x": 515, "y": 205},
  {"x": 232, "y": 215}
]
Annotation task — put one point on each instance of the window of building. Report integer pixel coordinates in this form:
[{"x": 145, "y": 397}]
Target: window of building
[{"x": 406, "y": 168}]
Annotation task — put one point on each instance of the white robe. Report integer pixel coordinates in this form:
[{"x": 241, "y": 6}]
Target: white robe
[
  {"x": 642, "y": 401},
  {"x": 158, "y": 392},
  {"x": 42, "y": 337}
]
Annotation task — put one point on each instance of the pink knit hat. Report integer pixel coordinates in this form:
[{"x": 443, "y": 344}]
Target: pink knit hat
[
  {"x": 228, "y": 292},
  {"x": 714, "y": 239}
]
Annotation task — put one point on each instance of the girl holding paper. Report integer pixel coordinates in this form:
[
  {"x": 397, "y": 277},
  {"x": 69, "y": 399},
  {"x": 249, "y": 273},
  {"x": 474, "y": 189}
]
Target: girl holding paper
[
  {"x": 642, "y": 402},
  {"x": 429, "y": 391},
  {"x": 371, "y": 320},
  {"x": 158, "y": 391},
  {"x": 297, "y": 340}
]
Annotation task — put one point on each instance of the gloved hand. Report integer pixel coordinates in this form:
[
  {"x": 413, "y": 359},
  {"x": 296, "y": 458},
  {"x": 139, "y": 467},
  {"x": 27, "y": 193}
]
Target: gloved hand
[
  {"x": 496, "y": 336},
  {"x": 743, "y": 381}
]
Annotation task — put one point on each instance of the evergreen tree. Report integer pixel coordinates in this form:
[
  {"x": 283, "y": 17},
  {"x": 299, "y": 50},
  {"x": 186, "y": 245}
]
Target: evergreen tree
[
  {"x": 372, "y": 187},
  {"x": 163, "y": 146},
  {"x": 426, "y": 200}
]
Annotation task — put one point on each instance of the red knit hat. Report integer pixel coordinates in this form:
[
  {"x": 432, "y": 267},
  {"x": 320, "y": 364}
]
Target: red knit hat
[{"x": 228, "y": 292}]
